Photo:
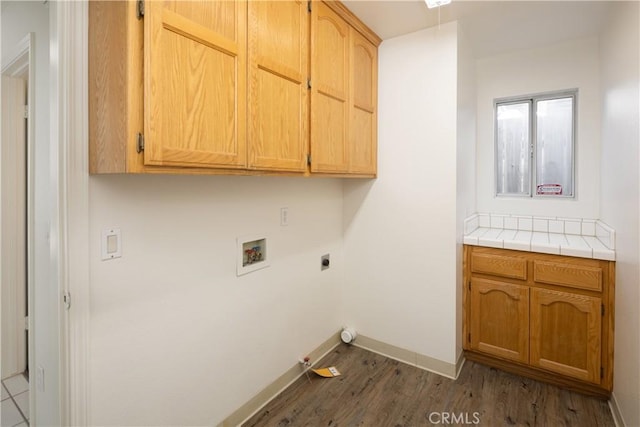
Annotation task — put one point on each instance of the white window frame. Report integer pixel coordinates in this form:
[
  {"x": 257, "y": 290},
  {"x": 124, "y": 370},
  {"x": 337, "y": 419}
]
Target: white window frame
[{"x": 532, "y": 99}]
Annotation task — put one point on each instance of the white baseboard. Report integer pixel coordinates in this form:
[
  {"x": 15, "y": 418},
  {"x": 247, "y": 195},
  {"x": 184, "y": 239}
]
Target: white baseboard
[
  {"x": 265, "y": 396},
  {"x": 615, "y": 411},
  {"x": 459, "y": 364},
  {"x": 412, "y": 358}
]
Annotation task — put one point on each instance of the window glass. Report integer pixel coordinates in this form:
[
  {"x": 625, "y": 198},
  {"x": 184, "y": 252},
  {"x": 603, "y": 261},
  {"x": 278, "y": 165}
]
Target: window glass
[
  {"x": 554, "y": 146},
  {"x": 513, "y": 151}
]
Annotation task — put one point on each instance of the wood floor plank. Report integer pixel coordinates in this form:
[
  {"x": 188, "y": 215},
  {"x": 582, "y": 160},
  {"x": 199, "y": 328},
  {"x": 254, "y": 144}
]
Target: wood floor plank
[{"x": 374, "y": 390}]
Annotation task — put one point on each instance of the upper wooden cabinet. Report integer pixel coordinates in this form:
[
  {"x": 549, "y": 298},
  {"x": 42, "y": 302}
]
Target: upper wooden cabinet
[
  {"x": 231, "y": 87},
  {"x": 344, "y": 80},
  {"x": 168, "y": 90}
]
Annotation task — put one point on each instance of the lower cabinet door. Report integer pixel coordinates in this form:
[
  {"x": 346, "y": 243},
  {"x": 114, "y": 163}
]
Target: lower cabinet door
[
  {"x": 500, "y": 319},
  {"x": 565, "y": 334}
]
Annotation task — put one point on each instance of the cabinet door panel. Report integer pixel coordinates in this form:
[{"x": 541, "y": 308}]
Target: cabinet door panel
[
  {"x": 278, "y": 72},
  {"x": 565, "y": 333},
  {"x": 500, "y": 319},
  {"x": 195, "y": 83},
  {"x": 329, "y": 91},
  {"x": 364, "y": 117}
]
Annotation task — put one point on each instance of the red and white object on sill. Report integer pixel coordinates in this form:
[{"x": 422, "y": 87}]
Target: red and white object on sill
[{"x": 545, "y": 189}]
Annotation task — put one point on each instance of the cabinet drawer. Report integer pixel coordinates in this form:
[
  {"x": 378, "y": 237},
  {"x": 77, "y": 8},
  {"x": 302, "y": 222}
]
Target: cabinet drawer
[
  {"x": 575, "y": 276},
  {"x": 499, "y": 265}
]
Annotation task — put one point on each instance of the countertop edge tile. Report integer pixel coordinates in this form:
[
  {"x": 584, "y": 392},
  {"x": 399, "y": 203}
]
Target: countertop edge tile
[
  {"x": 470, "y": 240},
  {"x": 517, "y": 245},
  {"x": 545, "y": 249},
  {"x": 491, "y": 243},
  {"x": 607, "y": 255},
  {"x": 577, "y": 252}
]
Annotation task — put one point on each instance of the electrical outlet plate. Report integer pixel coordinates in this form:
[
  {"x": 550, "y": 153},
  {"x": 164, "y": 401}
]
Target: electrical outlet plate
[
  {"x": 111, "y": 243},
  {"x": 284, "y": 217}
]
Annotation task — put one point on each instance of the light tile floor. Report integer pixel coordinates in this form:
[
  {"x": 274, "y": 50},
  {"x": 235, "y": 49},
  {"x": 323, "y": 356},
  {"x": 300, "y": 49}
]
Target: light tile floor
[{"x": 15, "y": 401}]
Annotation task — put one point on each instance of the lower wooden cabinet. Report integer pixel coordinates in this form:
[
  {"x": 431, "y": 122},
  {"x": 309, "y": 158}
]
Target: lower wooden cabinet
[{"x": 552, "y": 321}]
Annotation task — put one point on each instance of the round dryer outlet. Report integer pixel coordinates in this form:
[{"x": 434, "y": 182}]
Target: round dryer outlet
[{"x": 348, "y": 335}]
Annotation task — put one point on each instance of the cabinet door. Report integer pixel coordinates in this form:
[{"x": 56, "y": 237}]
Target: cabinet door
[
  {"x": 278, "y": 73},
  {"x": 364, "y": 101},
  {"x": 195, "y": 83},
  {"x": 565, "y": 333},
  {"x": 329, "y": 90},
  {"x": 500, "y": 319}
]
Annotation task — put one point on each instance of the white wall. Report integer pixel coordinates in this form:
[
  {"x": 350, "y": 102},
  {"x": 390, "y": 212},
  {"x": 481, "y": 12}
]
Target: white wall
[
  {"x": 621, "y": 192},
  {"x": 466, "y": 159},
  {"x": 18, "y": 19},
  {"x": 400, "y": 230},
  {"x": 176, "y": 337},
  {"x": 567, "y": 65}
]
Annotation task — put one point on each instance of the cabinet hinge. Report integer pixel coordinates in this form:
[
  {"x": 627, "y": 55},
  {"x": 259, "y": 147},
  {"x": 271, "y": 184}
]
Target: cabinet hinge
[
  {"x": 469, "y": 284},
  {"x": 140, "y": 9},
  {"x": 66, "y": 300},
  {"x": 26, "y": 323},
  {"x": 309, "y": 6},
  {"x": 26, "y": 111},
  {"x": 309, "y": 159},
  {"x": 601, "y": 372},
  {"x": 469, "y": 337},
  {"x": 602, "y": 309},
  {"x": 309, "y": 83},
  {"x": 140, "y": 144}
]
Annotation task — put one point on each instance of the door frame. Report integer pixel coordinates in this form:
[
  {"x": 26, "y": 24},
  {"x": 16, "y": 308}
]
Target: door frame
[
  {"x": 69, "y": 230},
  {"x": 21, "y": 63}
]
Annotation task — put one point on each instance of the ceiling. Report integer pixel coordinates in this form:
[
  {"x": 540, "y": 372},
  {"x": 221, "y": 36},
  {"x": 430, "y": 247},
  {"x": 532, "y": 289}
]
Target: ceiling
[{"x": 492, "y": 27}]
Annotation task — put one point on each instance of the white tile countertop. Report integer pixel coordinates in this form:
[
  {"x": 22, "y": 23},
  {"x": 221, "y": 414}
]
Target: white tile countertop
[{"x": 585, "y": 238}]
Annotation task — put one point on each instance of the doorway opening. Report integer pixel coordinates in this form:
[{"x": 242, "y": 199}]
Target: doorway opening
[{"x": 16, "y": 223}]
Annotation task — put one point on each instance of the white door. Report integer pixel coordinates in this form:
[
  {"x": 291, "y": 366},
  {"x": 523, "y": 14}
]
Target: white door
[{"x": 13, "y": 226}]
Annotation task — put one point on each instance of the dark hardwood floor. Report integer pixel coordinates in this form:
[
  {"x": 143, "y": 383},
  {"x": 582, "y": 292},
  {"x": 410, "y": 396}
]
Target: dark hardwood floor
[{"x": 374, "y": 390}]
